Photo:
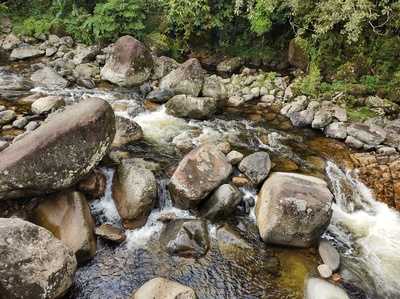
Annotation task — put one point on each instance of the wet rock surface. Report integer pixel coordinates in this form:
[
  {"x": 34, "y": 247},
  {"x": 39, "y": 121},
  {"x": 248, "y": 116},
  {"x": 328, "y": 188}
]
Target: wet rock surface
[{"x": 186, "y": 238}]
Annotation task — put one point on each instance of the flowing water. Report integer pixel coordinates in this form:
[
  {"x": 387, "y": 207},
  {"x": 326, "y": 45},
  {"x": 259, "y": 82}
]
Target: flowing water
[{"x": 366, "y": 233}]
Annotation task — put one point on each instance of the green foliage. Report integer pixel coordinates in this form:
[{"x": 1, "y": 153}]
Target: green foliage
[
  {"x": 3, "y": 9},
  {"x": 116, "y": 17}
]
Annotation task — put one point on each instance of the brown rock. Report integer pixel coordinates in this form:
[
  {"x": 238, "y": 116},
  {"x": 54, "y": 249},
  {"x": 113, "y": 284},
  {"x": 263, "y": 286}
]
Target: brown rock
[
  {"x": 68, "y": 217},
  {"x": 111, "y": 233},
  {"x": 94, "y": 185}
]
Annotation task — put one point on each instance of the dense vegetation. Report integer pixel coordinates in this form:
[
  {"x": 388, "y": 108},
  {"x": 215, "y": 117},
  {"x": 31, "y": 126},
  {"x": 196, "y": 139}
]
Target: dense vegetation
[{"x": 353, "y": 45}]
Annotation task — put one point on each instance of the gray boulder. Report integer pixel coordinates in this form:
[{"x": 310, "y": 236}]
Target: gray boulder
[
  {"x": 187, "y": 79},
  {"x": 199, "y": 173},
  {"x": 134, "y": 192},
  {"x": 322, "y": 118},
  {"x": 33, "y": 264},
  {"x": 60, "y": 152},
  {"x": 192, "y": 107},
  {"x": 234, "y": 157},
  {"x": 7, "y": 116},
  {"x": 47, "y": 104},
  {"x": 369, "y": 134},
  {"x": 160, "y": 95},
  {"x": 84, "y": 54},
  {"x": 186, "y": 238},
  {"x": 161, "y": 288},
  {"x": 293, "y": 209},
  {"x": 163, "y": 66},
  {"x": 127, "y": 131},
  {"x": 25, "y": 53},
  {"x": 47, "y": 77},
  {"x": 337, "y": 130},
  {"x": 67, "y": 216},
  {"x": 130, "y": 63},
  {"x": 214, "y": 87},
  {"x": 10, "y": 42},
  {"x": 221, "y": 203},
  {"x": 299, "y": 104},
  {"x": 256, "y": 167}
]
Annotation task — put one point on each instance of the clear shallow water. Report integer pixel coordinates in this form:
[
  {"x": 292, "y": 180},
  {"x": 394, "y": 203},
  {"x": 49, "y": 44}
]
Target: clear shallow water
[{"x": 366, "y": 232}]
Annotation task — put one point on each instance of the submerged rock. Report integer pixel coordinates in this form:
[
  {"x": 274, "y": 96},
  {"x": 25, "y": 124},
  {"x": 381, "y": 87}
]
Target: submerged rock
[
  {"x": 161, "y": 288},
  {"x": 192, "y": 107},
  {"x": 60, "y": 152},
  {"x": 130, "y": 63},
  {"x": 293, "y": 209},
  {"x": 33, "y": 264},
  {"x": 187, "y": 79},
  {"x": 186, "y": 238},
  {"x": 256, "y": 167},
  {"x": 221, "y": 203},
  {"x": 320, "y": 289},
  {"x": 199, "y": 173},
  {"x": 68, "y": 217},
  {"x": 134, "y": 192}
]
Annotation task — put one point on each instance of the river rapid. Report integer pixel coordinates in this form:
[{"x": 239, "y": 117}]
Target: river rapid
[{"x": 366, "y": 232}]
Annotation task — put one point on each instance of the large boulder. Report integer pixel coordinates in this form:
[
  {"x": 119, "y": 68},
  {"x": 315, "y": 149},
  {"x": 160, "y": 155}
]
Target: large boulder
[
  {"x": 192, "y": 107},
  {"x": 186, "y": 238},
  {"x": 293, "y": 209},
  {"x": 199, "y": 173},
  {"x": 230, "y": 65},
  {"x": 256, "y": 167},
  {"x": 47, "y": 77},
  {"x": 187, "y": 79},
  {"x": 161, "y": 288},
  {"x": 127, "y": 131},
  {"x": 68, "y": 217},
  {"x": 130, "y": 63},
  {"x": 134, "y": 191},
  {"x": 221, "y": 203},
  {"x": 60, "y": 152},
  {"x": 33, "y": 264}
]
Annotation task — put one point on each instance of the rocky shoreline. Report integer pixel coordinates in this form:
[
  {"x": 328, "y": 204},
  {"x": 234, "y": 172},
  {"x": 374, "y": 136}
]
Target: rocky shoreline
[{"x": 51, "y": 151}]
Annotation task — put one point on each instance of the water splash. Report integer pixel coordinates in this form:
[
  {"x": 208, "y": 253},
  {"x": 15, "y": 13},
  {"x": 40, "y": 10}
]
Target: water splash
[
  {"x": 104, "y": 208},
  {"x": 369, "y": 232}
]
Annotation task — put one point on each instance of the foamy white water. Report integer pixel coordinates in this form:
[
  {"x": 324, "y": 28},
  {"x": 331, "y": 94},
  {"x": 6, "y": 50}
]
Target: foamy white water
[
  {"x": 105, "y": 206},
  {"x": 160, "y": 127},
  {"x": 370, "y": 231}
]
